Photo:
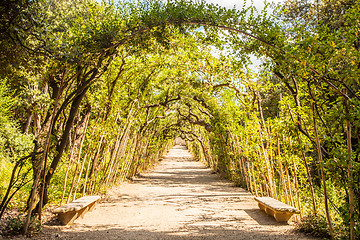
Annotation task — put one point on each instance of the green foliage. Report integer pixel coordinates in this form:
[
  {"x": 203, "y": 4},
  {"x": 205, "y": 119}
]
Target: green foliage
[
  {"x": 315, "y": 225},
  {"x": 6, "y": 101},
  {"x": 14, "y": 226},
  {"x": 13, "y": 143},
  {"x": 131, "y": 76}
]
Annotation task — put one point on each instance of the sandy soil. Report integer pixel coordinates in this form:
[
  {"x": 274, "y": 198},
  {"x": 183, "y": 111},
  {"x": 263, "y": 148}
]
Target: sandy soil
[{"x": 178, "y": 199}]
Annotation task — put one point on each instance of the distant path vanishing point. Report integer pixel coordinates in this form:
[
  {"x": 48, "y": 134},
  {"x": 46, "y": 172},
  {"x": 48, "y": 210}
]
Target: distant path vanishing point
[{"x": 179, "y": 199}]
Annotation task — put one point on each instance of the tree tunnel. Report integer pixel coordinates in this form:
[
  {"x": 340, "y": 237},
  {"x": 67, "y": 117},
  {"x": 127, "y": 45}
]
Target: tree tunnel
[{"x": 113, "y": 84}]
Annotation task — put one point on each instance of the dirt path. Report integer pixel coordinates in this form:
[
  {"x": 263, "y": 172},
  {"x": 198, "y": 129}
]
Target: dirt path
[{"x": 179, "y": 199}]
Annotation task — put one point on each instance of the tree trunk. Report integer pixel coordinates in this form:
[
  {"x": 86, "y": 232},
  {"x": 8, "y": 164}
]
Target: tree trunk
[
  {"x": 28, "y": 122},
  {"x": 64, "y": 141},
  {"x": 322, "y": 172},
  {"x": 34, "y": 190}
]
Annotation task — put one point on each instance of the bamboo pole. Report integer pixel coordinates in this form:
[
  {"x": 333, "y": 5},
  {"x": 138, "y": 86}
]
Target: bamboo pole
[
  {"x": 72, "y": 152},
  {"x": 108, "y": 165},
  {"x": 243, "y": 167},
  {"x": 109, "y": 168},
  {"x": 95, "y": 162},
  {"x": 272, "y": 170},
  {"x": 350, "y": 172},
  {"x": 76, "y": 168},
  {"x": 268, "y": 170},
  {"x": 295, "y": 181},
  {"x": 129, "y": 158},
  {"x": 86, "y": 177},
  {"x": 89, "y": 151},
  {"x": 297, "y": 187},
  {"x": 250, "y": 170},
  {"x": 39, "y": 169},
  {"x": 281, "y": 171},
  {"x": 306, "y": 165},
  {"x": 114, "y": 152},
  {"x": 125, "y": 160},
  {"x": 79, "y": 177},
  {"x": 289, "y": 185},
  {"x": 322, "y": 171},
  {"x": 252, "y": 189},
  {"x": 254, "y": 178},
  {"x": 121, "y": 152},
  {"x": 103, "y": 165},
  {"x": 66, "y": 176},
  {"x": 73, "y": 181},
  {"x": 79, "y": 154}
]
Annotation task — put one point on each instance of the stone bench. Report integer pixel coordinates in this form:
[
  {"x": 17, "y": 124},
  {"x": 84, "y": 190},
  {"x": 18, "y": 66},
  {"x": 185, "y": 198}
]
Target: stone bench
[
  {"x": 280, "y": 211},
  {"x": 71, "y": 211}
]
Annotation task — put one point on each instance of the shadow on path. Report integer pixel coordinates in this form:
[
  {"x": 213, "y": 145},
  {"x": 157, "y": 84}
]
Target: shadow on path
[{"x": 179, "y": 199}]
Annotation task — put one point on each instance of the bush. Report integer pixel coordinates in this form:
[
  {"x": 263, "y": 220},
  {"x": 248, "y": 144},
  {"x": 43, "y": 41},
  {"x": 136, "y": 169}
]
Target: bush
[
  {"x": 14, "y": 225},
  {"x": 315, "y": 225}
]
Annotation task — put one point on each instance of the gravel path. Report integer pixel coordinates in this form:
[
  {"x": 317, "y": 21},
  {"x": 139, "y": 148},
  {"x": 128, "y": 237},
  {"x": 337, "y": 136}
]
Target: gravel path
[{"x": 178, "y": 199}]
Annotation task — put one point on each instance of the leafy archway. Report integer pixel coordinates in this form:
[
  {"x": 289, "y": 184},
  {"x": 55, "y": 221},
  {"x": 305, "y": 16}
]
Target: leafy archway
[{"x": 113, "y": 84}]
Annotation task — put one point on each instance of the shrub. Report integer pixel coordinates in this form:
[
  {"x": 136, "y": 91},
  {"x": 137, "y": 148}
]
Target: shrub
[
  {"x": 14, "y": 225},
  {"x": 315, "y": 225}
]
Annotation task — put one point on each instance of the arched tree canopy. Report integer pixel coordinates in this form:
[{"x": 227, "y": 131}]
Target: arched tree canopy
[{"x": 94, "y": 93}]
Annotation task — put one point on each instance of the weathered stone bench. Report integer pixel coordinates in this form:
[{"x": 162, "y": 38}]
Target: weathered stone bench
[
  {"x": 71, "y": 211},
  {"x": 280, "y": 211}
]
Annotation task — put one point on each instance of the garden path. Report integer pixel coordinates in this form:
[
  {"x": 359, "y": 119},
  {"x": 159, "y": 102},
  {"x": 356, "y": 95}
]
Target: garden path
[{"x": 178, "y": 199}]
